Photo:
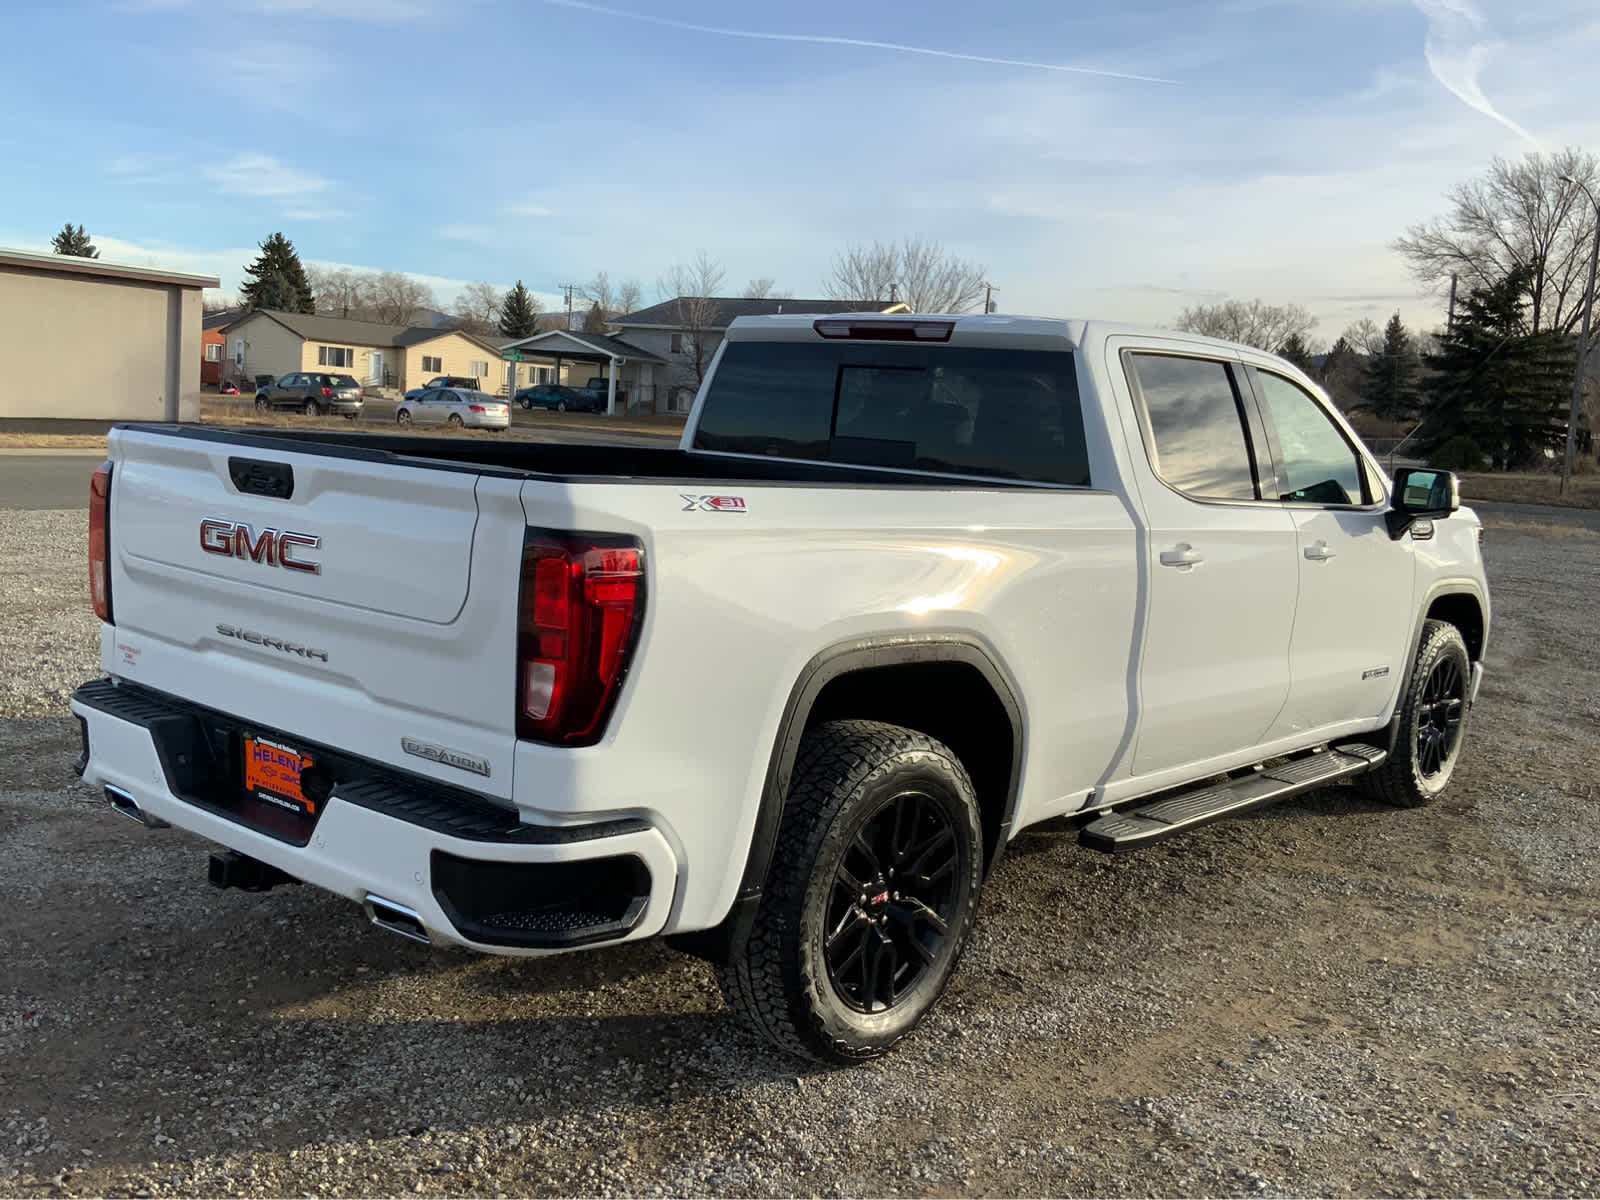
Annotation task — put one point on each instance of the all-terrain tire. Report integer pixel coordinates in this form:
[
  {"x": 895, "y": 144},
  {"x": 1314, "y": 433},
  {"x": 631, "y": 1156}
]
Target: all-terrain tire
[
  {"x": 1433, "y": 722},
  {"x": 860, "y": 793}
]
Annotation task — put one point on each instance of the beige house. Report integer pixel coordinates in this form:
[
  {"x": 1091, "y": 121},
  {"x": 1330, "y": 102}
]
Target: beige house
[
  {"x": 95, "y": 340},
  {"x": 269, "y": 342}
]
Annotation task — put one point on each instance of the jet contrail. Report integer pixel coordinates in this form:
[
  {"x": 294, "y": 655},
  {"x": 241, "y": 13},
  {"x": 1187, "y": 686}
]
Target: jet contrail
[
  {"x": 1457, "y": 47},
  {"x": 824, "y": 40}
]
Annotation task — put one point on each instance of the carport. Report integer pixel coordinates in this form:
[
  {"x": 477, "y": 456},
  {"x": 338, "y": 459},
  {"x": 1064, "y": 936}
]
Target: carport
[{"x": 627, "y": 366}]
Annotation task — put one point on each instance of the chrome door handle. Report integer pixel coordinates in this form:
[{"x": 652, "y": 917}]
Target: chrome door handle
[
  {"x": 1184, "y": 555},
  {"x": 1319, "y": 552}
]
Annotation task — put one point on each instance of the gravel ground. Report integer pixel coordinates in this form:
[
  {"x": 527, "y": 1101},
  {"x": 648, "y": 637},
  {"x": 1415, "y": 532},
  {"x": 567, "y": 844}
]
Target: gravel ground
[{"x": 1328, "y": 997}]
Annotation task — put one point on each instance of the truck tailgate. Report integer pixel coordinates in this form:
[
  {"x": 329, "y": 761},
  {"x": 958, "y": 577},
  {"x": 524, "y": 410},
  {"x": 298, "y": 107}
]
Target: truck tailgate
[{"x": 375, "y": 604}]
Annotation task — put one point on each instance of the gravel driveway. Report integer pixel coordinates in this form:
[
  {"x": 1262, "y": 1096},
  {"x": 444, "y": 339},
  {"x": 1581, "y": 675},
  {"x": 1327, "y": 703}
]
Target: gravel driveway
[{"x": 1326, "y": 998}]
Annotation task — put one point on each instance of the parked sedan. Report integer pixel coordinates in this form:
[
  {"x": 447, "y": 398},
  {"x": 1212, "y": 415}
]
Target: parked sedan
[
  {"x": 561, "y": 398},
  {"x": 454, "y": 406},
  {"x": 313, "y": 393}
]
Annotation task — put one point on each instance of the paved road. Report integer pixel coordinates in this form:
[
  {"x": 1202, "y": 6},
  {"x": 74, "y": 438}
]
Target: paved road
[
  {"x": 1541, "y": 514},
  {"x": 46, "y": 480}
]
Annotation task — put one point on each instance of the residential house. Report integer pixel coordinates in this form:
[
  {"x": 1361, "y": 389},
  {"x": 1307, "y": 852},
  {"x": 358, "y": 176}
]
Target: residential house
[
  {"x": 212, "y": 343},
  {"x": 269, "y": 342},
  {"x": 685, "y": 333}
]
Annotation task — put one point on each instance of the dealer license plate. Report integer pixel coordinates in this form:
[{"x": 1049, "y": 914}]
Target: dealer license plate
[{"x": 272, "y": 773}]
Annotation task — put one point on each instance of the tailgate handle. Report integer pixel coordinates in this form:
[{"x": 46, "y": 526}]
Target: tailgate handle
[{"x": 257, "y": 477}]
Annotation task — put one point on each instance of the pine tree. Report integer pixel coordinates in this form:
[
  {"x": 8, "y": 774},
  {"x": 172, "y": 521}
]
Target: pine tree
[
  {"x": 594, "y": 321},
  {"x": 1495, "y": 383},
  {"x": 519, "y": 315},
  {"x": 277, "y": 279},
  {"x": 1390, "y": 388},
  {"x": 74, "y": 242},
  {"x": 1295, "y": 350}
]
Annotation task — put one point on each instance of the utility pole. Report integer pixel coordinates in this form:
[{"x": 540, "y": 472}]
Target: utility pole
[
  {"x": 989, "y": 290},
  {"x": 894, "y": 290},
  {"x": 1450, "y": 317},
  {"x": 569, "y": 288},
  {"x": 1583, "y": 340}
]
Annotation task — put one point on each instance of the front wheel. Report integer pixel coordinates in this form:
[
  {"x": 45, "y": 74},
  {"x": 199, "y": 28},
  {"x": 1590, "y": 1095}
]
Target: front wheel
[
  {"x": 455, "y": 420},
  {"x": 561, "y": 406},
  {"x": 1433, "y": 722},
  {"x": 311, "y": 408},
  {"x": 873, "y": 890},
  {"x": 261, "y": 404}
]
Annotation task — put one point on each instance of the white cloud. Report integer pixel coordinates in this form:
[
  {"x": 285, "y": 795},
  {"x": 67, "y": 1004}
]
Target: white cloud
[
  {"x": 264, "y": 175},
  {"x": 1457, "y": 48}
]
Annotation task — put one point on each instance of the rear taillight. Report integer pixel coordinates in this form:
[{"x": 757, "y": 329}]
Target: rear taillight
[
  {"x": 327, "y": 393},
  {"x": 477, "y": 408},
  {"x": 100, "y": 541},
  {"x": 579, "y": 615}
]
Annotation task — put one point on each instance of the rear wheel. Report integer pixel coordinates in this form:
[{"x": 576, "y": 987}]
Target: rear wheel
[
  {"x": 403, "y": 417},
  {"x": 873, "y": 889},
  {"x": 261, "y": 404},
  {"x": 561, "y": 406},
  {"x": 1433, "y": 722},
  {"x": 351, "y": 416}
]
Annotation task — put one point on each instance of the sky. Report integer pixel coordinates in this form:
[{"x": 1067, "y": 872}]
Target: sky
[{"x": 1100, "y": 160}]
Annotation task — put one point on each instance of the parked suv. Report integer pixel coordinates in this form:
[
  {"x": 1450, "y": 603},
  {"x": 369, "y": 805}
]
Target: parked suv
[
  {"x": 313, "y": 393},
  {"x": 466, "y": 382}
]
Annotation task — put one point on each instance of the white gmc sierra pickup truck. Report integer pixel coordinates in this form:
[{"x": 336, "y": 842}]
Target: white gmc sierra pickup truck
[{"x": 784, "y": 693}]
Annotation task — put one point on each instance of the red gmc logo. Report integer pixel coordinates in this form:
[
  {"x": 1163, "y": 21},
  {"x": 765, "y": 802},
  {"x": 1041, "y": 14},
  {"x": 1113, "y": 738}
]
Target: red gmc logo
[{"x": 274, "y": 547}]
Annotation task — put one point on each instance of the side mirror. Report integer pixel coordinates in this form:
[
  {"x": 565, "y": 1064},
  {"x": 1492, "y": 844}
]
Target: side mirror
[{"x": 1421, "y": 493}]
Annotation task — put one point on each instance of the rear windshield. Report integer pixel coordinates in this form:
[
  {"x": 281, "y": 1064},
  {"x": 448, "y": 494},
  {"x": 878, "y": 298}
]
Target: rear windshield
[
  {"x": 345, "y": 381},
  {"x": 1007, "y": 413}
]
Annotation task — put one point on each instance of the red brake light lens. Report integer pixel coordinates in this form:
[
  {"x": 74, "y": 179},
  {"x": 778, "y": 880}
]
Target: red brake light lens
[
  {"x": 100, "y": 542},
  {"x": 327, "y": 393},
  {"x": 578, "y": 619},
  {"x": 477, "y": 408}
]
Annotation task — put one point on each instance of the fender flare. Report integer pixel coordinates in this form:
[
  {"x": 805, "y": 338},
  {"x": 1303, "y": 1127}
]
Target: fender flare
[
  {"x": 841, "y": 659},
  {"x": 1388, "y": 736}
]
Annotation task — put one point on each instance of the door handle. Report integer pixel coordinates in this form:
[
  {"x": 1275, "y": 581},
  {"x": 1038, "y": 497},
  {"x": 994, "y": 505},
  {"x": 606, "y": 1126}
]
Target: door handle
[
  {"x": 1183, "y": 555},
  {"x": 1319, "y": 552}
]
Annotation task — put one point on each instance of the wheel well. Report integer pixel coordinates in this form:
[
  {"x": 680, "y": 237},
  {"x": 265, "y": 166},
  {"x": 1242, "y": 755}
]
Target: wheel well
[
  {"x": 1462, "y": 611},
  {"x": 950, "y": 701}
]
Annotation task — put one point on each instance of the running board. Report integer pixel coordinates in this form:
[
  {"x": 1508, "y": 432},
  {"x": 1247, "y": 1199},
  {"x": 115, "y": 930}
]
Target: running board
[{"x": 1119, "y": 832}]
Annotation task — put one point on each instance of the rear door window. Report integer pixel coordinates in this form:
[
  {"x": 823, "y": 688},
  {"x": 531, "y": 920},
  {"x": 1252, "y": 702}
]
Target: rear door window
[
  {"x": 1196, "y": 426},
  {"x": 1011, "y": 414}
]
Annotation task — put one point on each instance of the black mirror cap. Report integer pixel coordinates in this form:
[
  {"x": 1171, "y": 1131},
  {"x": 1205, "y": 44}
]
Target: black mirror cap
[{"x": 1421, "y": 492}]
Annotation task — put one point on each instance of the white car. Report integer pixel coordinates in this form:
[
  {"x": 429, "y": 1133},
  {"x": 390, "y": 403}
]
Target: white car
[
  {"x": 454, "y": 406},
  {"x": 908, "y": 586}
]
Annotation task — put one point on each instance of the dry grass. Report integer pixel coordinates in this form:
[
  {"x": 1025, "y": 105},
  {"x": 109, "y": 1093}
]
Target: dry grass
[
  {"x": 52, "y": 441},
  {"x": 1539, "y": 529},
  {"x": 1528, "y": 488}
]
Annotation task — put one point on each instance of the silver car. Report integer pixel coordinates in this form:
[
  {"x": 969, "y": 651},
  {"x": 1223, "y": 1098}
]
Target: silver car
[{"x": 454, "y": 406}]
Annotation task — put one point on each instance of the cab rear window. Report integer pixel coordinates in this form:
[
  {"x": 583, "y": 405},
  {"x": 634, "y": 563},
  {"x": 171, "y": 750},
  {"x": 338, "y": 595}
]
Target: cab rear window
[{"x": 1011, "y": 414}]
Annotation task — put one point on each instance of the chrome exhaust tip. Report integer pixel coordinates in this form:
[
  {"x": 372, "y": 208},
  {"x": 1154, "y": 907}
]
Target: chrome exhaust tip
[
  {"x": 125, "y": 804},
  {"x": 396, "y": 918}
]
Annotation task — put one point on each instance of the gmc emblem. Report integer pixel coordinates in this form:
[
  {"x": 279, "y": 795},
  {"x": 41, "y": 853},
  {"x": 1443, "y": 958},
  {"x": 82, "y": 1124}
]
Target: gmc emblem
[{"x": 274, "y": 547}]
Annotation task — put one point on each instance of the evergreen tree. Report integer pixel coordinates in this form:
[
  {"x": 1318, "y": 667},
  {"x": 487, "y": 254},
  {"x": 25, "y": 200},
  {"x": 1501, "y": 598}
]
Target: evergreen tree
[
  {"x": 1338, "y": 357},
  {"x": 1390, "y": 388},
  {"x": 1295, "y": 350},
  {"x": 594, "y": 321},
  {"x": 74, "y": 242},
  {"x": 519, "y": 315},
  {"x": 1495, "y": 382},
  {"x": 277, "y": 278}
]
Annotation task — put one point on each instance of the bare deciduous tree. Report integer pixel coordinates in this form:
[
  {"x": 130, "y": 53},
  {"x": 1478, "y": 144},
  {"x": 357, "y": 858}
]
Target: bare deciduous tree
[
  {"x": 339, "y": 291},
  {"x": 397, "y": 299},
  {"x": 1364, "y": 336},
  {"x": 765, "y": 288},
  {"x": 912, "y": 270},
  {"x": 692, "y": 287},
  {"x": 1253, "y": 322},
  {"x": 614, "y": 299},
  {"x": 1518, "y": 214},
  {"x": 477, "y": 309}
]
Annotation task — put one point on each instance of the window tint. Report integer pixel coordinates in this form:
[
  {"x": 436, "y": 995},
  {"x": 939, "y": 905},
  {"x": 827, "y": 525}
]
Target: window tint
[
  {"x": 1197, "y": 426},
  {"x": 1319, "y": 466},
  {"x": 1007, "y": 413}
]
